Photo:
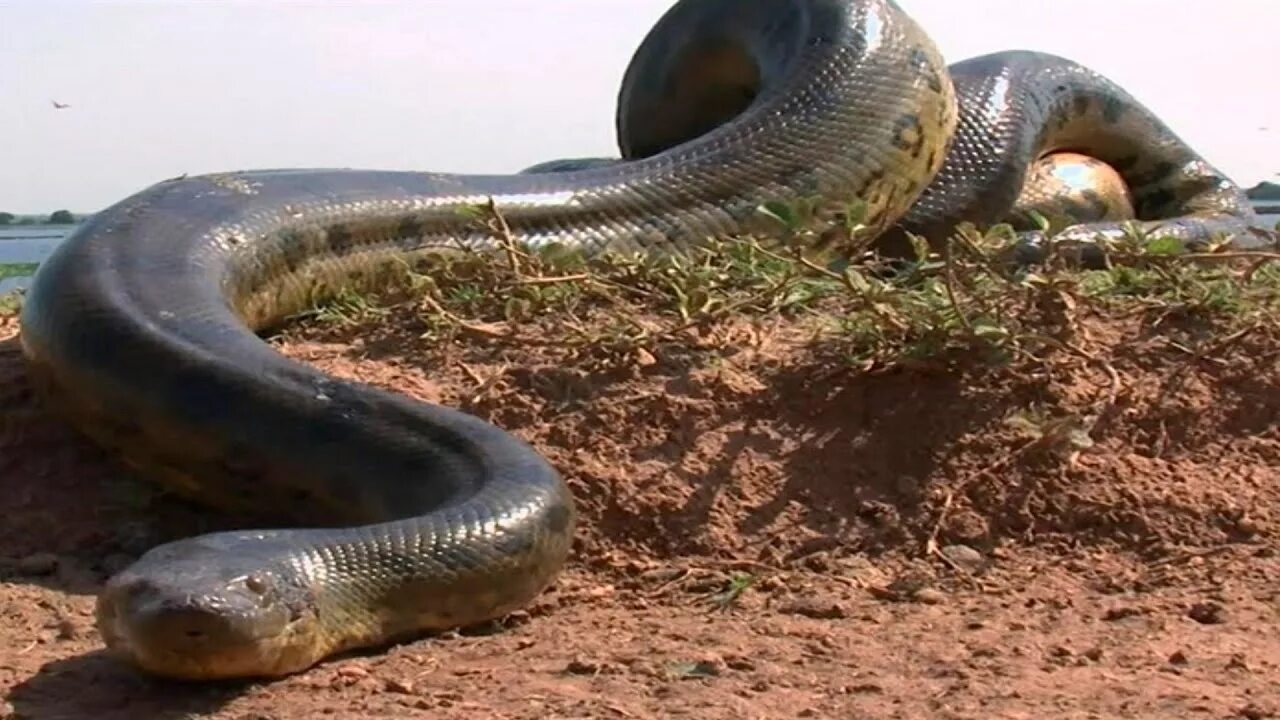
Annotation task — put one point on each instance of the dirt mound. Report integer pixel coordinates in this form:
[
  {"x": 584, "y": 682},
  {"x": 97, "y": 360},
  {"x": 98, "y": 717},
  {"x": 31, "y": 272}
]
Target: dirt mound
[
  {"x": 736, "y": 442},
  {"x": 769, "y": 529}
]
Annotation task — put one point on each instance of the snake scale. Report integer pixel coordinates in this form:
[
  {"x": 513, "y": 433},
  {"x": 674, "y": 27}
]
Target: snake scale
[{"x": 143, "y": 327}]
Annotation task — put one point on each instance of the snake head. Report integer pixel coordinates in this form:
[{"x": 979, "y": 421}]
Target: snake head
[{"x": 204, "y": 608}]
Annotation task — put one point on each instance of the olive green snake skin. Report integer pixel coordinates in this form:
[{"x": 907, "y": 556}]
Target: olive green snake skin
[{"x": 142, "y": 326}]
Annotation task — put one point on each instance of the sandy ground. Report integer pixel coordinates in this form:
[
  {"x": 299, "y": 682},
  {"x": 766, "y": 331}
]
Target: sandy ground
[{"x": 763, "y": 535}]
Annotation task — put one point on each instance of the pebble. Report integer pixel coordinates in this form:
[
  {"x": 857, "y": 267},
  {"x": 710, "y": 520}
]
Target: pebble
[
  {"x": 1238, "y": 662},
  {"x": 582, "y": 666},
  {"x": 404, "y": 687},
  {"x": 964, "y": 556},
  {"x": 1120, "y": 613},
  {"x": 1258, "y": 712},
  {"x": 1207, "y": 613},
  {"x": 816, "y": 608},
  {"x": 930, "y": 596},
  {"x": 353, "y": 671},
  {"x": 1249, "y": 526}
]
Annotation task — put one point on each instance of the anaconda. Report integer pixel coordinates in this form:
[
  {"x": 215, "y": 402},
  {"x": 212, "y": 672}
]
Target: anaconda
[
  {"x": 1037, "y": 133},
  {"x": 143, "y": 326}
]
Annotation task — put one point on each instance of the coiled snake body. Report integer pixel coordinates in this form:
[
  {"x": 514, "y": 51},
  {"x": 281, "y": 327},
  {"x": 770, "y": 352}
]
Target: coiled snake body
[{"x": 141, "y": 326}]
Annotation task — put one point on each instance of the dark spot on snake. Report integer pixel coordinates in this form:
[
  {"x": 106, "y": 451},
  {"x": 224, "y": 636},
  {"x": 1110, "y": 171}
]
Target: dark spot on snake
[
  {"x": 340, "y": 239},
  {"x": 516, "y": 544},
  {"x": 933, "y": 157},
  {"x": 1080, "y": 105},
  {"x": 919, "y": 60},
  {"x": 890, "y": 199},
  {"x": 557, "y": 519},
  {"x": 872, "y": 179},
  {"x": 908, "y": 136},
  {"x": 1113, "y": 108}
]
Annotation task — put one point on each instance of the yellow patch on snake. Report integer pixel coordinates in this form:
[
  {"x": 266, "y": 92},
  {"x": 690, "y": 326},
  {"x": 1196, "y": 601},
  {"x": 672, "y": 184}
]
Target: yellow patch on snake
[{"x": 234, "y": 184}]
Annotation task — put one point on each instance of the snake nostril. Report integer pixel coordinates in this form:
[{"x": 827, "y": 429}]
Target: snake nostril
[{"x": 195, "y": 634}]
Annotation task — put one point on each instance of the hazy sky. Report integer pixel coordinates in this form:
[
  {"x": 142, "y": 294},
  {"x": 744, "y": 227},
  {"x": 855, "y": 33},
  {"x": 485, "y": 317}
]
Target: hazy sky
[{"x": 162, "y": 88}]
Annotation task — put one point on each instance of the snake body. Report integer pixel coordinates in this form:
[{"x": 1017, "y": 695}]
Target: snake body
[
  {"x": 142, "y": 326},
  {"x": 1022, "y": 112},
  {"x": 1036, "y": 132}
]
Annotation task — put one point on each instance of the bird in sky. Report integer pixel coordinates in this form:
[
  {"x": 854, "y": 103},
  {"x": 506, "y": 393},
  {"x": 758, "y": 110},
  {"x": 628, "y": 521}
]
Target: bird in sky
[{"x": 59, "y": 106}]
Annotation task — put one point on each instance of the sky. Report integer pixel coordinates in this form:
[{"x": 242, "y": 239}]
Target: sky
[{"x": 161, "y": 88}]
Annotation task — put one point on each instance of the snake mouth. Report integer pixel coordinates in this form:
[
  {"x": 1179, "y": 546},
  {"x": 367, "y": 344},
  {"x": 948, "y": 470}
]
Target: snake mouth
[{"x": 242, "y": 628}]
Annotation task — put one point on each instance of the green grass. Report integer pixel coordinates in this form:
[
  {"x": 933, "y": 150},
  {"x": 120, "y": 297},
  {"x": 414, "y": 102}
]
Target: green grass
[
  {"x": 12, "y": 270},
  {"x": 346, "y": 308},
  {"x": 961, "y": 300},
  {"x": 10, "y": 302},
  {"x": 737, "y": 584}
]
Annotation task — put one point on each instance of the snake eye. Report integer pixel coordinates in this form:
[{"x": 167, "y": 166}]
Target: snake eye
[{"x": 256, "y": 584}]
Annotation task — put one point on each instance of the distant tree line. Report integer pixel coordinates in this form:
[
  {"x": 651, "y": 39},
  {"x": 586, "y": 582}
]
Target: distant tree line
[
  {"x": 1264, "y": 191},
  {"x": 57, "y": 217}
]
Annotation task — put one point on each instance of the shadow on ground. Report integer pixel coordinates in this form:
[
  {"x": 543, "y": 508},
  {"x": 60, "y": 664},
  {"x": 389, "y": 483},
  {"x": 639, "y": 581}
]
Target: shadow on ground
[{"x": 94, "y": 685}]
